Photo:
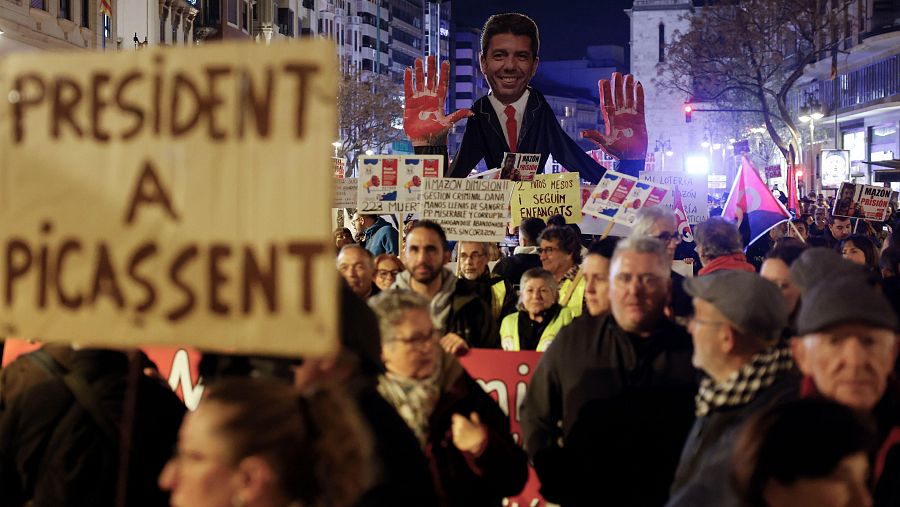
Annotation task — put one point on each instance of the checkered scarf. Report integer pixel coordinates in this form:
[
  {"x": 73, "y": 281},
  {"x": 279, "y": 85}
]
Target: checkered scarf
[{"x": 743, "y": 385}]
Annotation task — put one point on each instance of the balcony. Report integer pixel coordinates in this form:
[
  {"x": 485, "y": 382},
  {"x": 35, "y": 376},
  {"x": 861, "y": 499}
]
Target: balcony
[{"x": 868, "y": 85}]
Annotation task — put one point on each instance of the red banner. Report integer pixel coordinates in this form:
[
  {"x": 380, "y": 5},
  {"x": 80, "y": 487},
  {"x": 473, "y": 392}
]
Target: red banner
[
  {"x": 179, "y": 366},
  {"x": 505, "y": 376}
]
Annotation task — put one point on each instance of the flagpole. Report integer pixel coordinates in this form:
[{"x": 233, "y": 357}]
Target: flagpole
[{"x": 796, "y": 231}]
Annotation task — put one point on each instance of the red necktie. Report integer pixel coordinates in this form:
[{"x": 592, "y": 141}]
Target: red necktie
[{"x": 511, "y": 127}]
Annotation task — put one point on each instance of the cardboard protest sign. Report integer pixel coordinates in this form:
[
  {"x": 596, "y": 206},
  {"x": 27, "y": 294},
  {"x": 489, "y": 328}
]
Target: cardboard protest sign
[
  {"x": 152, "y": 197},
  {"x": 468, "y": 209},
  {"x": 862, "y": 201},
  {"x": 694, "y": 191},
  {"x": 772, "y": 171},
  {"x": 377, "y": 182},
  {"x": 413, "y": 171},
  {"x": 547, "y": 195},
  {"x": 338, "y": 165},
  {"x": 345, "y": 192},
  {"x": 617, "y": 197},
  {"x": 519, "y": 166}
]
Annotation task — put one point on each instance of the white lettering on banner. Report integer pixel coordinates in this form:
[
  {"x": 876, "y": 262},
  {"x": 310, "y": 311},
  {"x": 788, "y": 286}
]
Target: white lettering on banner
[{"x": 180, "y": 377}]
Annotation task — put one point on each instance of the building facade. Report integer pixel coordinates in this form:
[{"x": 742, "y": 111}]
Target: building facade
[
  {"x": 861, "y": 104},
  {"x": 40, "y": 25}
]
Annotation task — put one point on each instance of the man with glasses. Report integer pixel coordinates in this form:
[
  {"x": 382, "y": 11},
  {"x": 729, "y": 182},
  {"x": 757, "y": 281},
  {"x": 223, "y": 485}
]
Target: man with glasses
[
  {"x": 616, "y": 389},
  {"x": 738, "y": 319},
  {"x": 846, "y": 349},
  {"x": 660, "y": 223},
  {"x": 472, "y": 264},
  {"x": 560, "y": 253}
]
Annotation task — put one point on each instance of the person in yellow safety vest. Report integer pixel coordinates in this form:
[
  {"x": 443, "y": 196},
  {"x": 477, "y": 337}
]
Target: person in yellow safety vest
[
  {"x": 472, "y": 264},
  {"x": 539, "y": 317},
  {"x": 560, "y": 251}
]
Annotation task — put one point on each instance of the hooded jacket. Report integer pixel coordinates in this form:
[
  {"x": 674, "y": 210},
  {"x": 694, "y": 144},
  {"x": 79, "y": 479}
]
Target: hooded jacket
[{"x": 381, "y": 237}]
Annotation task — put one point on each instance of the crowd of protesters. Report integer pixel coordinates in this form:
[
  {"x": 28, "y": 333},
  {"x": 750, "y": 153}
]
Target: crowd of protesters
[{"x": 766, "y": 379}]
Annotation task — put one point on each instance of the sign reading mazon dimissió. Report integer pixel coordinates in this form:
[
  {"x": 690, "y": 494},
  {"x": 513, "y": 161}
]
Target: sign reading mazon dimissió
[{"x": 153, "y": 197}]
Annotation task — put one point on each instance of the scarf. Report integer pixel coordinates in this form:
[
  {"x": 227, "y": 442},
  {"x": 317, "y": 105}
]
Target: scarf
[
  {"x": 413, "y": 399},
  {"x": 736, "y": 261},
  {"x": 742, "y": 386},
  {"x": 441, "y": 303}
]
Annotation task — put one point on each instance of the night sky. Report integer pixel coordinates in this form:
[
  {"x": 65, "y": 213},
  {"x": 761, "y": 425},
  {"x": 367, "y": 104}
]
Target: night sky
[{"x": 566, "y": 26}]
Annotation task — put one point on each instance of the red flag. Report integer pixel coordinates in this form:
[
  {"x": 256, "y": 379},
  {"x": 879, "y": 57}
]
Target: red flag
[
  {"x": 683, "y": 226},
  {"x": 752, "y": 201},
  {"x": 792, "y": 188}
]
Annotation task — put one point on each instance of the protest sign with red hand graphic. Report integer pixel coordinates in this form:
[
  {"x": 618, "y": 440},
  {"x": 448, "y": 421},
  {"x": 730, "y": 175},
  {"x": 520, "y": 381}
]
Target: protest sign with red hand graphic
[
  {"x": 626, "y": 129},
  {"x": 423, "y": 113}
]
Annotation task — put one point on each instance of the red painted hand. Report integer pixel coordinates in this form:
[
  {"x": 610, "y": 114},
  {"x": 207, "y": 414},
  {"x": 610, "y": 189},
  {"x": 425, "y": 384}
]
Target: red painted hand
[
  {"x": 626, "y": 129},
  {"x": 423, "y": 114}
]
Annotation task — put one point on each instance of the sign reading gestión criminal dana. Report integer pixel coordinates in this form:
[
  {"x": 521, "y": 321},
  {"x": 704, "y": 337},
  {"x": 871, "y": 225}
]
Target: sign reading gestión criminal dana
[
  {"x": 468, "y": 209},
  {"x": 153, "y": 197}
]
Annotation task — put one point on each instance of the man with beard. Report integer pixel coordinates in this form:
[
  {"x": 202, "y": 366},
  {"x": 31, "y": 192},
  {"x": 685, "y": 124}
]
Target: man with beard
[
  {"x": 462, "y": 316},
  {"x": 611, "y": 401},
  {"x": 515, "y": 117}
]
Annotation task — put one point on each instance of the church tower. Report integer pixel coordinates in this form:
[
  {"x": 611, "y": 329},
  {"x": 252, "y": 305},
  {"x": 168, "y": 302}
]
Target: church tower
[{"x": 653, "y": 23}]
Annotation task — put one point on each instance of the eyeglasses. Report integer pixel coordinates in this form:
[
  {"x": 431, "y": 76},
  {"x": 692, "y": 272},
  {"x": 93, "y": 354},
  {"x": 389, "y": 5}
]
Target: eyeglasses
[
  {"x": 665, "y": 237},
  {"x": 547, "y": 250},
  {"x": 418, "y": 340},
  {"x": 384, "y": 273},
  {"x": 474, "y": 256},
  {"x": 645, "y": 280}
]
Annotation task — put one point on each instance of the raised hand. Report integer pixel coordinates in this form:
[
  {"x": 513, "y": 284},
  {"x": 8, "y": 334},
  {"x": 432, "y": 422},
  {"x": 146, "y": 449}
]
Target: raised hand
[
  {"x": 626, "y": 129},
  {"x": 423, "y": 113},
  {"x": 468, "y": 433},
  {"x": 454, "y": 344}
]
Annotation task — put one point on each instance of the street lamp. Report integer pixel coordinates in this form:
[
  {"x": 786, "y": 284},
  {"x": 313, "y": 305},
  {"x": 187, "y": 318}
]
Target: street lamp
[{"x": 666, "y": 148}]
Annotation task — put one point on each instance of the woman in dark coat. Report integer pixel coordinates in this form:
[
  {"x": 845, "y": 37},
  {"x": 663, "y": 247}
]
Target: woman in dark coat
[{"x": 465, "y": 436}]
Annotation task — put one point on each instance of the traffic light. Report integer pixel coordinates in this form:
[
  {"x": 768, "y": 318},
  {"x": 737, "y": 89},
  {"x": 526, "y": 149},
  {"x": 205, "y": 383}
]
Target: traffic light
[{"x": 688, "y": 109}]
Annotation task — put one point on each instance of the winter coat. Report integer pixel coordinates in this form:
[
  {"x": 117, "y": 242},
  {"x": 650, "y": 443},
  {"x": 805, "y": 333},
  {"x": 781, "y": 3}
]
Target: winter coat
[
  {"x": 625, "y": 405},
  {"x": 381, "y": 237},
  {"x": 54, "y": 453},
  {"x": 702, "y": 475},
  {"x": 462, "y": 479}
]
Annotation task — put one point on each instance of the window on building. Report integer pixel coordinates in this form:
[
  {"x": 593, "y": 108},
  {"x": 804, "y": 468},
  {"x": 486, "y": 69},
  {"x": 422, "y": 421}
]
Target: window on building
[
  {"x": 233, "y": 12},
  {"x": 662, "y": 42},
  {"x": 65, "y": 9},
  {"x": 38, "y": 4},
  {"x": 463, "y": 79},
  {"x": 86, "y": 13},
  {"x": 162, "y": 25},
  {"x": 175, "y": 23},
  {"x": 245, "y": 16}
]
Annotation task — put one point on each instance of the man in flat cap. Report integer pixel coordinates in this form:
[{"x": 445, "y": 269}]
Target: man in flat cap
[
  {"x": 738, "y": 319},
  {"x": 846, "y": 348}
]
